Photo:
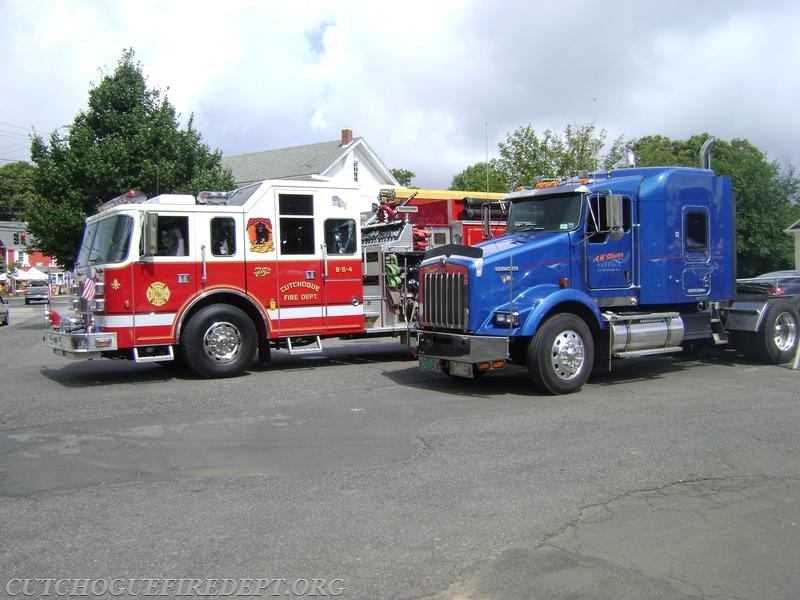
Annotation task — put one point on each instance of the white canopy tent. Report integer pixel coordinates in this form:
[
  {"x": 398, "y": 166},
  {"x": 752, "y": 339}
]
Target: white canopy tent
[
  {"x": 34, "y": 273},
  {"x": 20, "y": 275}
]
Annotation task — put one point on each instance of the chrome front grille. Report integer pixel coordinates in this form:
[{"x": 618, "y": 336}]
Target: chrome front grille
[{"x": 444, "y": 301}]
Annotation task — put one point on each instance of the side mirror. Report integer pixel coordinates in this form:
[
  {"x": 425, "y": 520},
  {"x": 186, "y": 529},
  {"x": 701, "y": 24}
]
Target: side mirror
[
  {"x": 614, "y": 216},
  {"x": 150, "y": 234}
]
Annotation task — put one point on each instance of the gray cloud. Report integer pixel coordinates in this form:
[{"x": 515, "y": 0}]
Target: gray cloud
[{"x": 429, "y": 85}]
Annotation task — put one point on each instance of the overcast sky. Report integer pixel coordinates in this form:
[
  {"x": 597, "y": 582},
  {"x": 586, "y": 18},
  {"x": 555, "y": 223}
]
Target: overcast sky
[{"x": 432, "y": 86}]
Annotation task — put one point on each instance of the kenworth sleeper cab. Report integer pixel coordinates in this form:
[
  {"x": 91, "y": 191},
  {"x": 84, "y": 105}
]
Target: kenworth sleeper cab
[{"x": 630, "y": 262}]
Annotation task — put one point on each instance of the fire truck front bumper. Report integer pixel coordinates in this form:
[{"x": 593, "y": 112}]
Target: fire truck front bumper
[
  {"x": 436, "y": 350},
  {"x": 80, "y": 344}
]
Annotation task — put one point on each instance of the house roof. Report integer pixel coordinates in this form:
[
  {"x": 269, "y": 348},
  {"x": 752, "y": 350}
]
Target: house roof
[
  {"x": 284, "y": 163},
  {"x": 302, "y": 162},
  {"x": 793, "y": 228}
]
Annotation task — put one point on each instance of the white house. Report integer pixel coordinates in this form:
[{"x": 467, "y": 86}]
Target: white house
[{"x": 348, "y": 161}]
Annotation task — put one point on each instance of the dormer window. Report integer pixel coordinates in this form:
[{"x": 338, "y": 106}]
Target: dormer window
[{"x": 355, "y": 170}]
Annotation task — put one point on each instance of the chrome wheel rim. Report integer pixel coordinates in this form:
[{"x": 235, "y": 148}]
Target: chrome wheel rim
[
  {"x": 785, "y": 332},
  {"x": 222, "y": 342},
  {"x": 567, "y": 355}
]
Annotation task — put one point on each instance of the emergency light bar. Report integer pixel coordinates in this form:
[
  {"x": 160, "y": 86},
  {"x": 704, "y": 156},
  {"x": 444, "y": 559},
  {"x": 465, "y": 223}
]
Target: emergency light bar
[
  {"x": 129, "y": 197},
  {"x": 213, "y": 197}
]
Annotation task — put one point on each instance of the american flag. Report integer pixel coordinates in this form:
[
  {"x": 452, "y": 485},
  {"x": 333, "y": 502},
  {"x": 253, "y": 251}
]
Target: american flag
[{"x": 88, "y": 290}]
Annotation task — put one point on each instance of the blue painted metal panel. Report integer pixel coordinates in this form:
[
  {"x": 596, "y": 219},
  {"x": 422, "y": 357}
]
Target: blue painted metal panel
[{"x": 654, "y": 265}]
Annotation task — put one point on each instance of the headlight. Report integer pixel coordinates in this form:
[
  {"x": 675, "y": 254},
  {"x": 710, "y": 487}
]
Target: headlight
[{"x": 506, "y": 319}]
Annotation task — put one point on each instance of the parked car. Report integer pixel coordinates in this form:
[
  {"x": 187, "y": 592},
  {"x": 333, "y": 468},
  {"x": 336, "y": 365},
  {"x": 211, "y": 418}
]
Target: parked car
[
  {"x": 3, "y": 311},
  {"x": 37, "y": 290},
  {"x": 776, "y": 283}
]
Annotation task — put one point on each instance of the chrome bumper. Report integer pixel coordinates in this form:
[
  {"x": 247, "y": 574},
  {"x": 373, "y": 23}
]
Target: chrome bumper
[
  {"x": 462, "y": 348},
  {"x": 80, "y": 345}
]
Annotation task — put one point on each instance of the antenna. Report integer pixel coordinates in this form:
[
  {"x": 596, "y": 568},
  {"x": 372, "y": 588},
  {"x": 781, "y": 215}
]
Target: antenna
[{"x": 486, "y": 138}]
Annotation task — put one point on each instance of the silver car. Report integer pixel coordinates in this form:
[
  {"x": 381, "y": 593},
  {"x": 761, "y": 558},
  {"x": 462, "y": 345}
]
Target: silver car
[{"x": 37, "y": 290}]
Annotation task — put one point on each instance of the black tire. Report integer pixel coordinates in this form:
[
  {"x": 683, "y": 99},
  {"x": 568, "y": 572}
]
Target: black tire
[
  {"x": 776, "y": 340},
  {"x": 218, "y": 341},
  {"x": 561, "y": 355}
]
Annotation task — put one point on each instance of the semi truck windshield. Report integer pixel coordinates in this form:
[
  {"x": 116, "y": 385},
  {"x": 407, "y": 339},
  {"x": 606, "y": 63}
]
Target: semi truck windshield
[
  {"x": 544, "y": 213},
  {"x": 106, "y": 241}
]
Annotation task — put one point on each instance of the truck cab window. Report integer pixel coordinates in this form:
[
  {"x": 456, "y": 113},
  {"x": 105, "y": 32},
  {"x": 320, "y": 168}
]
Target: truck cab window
[
  {"x": 598, "y": 222},
  {"x": 173, "y": 236},
  {"x": 340, "y": 236},
  {"x": 696, "y": 237},
  {"x": 296, "y": 223},
  {"x": 223, "y": 236}
]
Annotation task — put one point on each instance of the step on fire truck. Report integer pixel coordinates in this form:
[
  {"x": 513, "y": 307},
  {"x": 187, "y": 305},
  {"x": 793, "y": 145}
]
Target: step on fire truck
[
  {"x": 631, "y": 262},
  {"x": 218, "y": 279}
]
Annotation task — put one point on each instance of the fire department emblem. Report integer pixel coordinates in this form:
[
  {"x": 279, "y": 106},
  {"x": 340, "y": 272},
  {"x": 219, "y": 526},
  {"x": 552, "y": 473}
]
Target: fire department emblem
[{"x": 158, "y": 293}]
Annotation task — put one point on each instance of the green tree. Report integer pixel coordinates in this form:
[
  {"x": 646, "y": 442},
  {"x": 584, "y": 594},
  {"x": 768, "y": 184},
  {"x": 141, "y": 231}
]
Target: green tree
[
  {"x": 16, "y": 190},
  {"x": 403, "y": 176},
  {"x": 658, "y": 150},
  {"x": 765, "y": 206},
  {"x": 480, "y": 177},
  {"x": 525, "y": 156},
  {"x": 129, "y": 137}
]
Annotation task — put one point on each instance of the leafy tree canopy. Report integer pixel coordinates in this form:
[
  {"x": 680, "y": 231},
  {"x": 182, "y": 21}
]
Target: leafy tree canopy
[
  {"x": 128, "y": 138},
  {"x": 525, "y": 155},
  {"x": 480, "y": 177},
  {"x": 766, "y": 204},
  {"x": 403, "y": 176},
  {"x": 16, "y": 190}
]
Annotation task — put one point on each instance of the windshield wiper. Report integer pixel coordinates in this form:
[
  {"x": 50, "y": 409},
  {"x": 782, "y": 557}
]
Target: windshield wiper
[{"x": 530, "y": 227}]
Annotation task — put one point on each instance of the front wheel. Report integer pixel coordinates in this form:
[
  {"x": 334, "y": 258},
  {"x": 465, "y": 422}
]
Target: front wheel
[
  {"x": 561, "y": 354},
  {"x": 219, "y": 341},
  {"x": 776, "y": 341}
]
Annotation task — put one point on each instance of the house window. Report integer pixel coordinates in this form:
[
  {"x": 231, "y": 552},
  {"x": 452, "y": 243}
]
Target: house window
[{"x": 355, "y": 170}]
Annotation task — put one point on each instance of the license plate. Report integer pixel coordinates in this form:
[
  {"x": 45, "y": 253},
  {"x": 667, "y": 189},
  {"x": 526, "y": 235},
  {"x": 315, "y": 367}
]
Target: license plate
[
  {"x": 460, "y": 369},
  {"x": 429, "y": 364}
]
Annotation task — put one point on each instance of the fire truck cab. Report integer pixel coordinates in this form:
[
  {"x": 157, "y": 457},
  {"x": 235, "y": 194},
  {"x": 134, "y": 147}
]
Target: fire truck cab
[{"x": 217, "y": 279}]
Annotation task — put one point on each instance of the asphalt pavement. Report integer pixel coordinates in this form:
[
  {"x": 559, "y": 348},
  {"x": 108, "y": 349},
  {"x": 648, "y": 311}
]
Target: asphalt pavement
[{"x": 672, "y": 479}]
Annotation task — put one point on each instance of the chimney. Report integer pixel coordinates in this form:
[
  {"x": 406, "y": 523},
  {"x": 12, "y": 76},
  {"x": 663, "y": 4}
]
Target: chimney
[{"x": 347, "y": 137}]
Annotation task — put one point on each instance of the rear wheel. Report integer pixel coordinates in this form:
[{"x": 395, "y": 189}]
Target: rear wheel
[
  {"x": 776, "y": 341},
  {"x": 561, "y": 354},
  {"x": 219, "y": 341}
]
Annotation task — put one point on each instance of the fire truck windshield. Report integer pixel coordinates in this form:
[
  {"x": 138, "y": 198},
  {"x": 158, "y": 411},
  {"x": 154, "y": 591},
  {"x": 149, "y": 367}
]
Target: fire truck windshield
[
  {"x": 544, "y": 213},
  {"x": 242, "y": 195},
  {"x": 106, "y": 240}
]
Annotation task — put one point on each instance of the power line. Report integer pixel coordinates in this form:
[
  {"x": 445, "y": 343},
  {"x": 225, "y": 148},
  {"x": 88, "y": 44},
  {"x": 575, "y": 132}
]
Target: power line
[{"x": 16, "y": 126}]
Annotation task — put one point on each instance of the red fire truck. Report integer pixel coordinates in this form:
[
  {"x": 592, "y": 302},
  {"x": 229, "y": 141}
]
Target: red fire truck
[
  {"x": 218, "y": 279},
  {"x": 448, "y": 216}
]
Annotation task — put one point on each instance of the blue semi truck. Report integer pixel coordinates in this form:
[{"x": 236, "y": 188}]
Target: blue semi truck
[{"x": 618, "y": 264}]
